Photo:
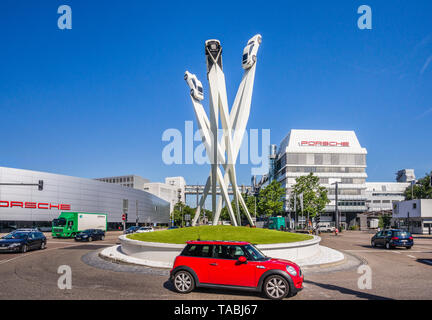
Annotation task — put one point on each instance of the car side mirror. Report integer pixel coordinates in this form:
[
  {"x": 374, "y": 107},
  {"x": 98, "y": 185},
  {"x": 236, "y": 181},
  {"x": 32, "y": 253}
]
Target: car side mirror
[{"x": 242, "y": 259}]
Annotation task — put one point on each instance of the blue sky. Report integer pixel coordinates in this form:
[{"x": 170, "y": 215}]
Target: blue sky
[{"x": 94, "y": 101}]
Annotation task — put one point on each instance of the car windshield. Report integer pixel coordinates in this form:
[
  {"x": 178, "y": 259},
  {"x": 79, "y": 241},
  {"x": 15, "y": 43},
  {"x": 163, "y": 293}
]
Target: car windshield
[
  {"x": 250, "y": 50},
  {"x": 254, "y": 253},
  {"x": 59, "y": 222},
  {"x": 16, "y": 235},
  {"x": 245, "y": 57},
  {"x": 200, "y": 89}
]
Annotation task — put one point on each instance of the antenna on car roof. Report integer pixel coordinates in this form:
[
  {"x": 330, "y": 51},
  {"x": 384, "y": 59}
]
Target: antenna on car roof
[{"x": 198, "y": 236}]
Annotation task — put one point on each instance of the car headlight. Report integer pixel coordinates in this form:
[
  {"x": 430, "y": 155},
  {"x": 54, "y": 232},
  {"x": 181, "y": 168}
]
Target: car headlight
[
  {"x": 13, "y": 245},
  {"x": 85, "y": 236},
  {"x": 291, "y": 271}
]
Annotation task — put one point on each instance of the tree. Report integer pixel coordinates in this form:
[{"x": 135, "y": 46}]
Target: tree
[
  {"x": 250, "y": 204},
  {"x": 314, "y": 195},
  {"x": 179, "y": 211},
  {"x": 421, "y": 190},
  {"x": 271, "y": 199}
]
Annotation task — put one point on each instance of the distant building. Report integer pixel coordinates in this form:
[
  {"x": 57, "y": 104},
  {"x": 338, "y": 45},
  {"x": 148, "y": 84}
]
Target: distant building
[
  {"x": 131, "y": 181},
  {"x": 382, "y": 195},
  {"x": 173, "y": 190},
  {"x": 333, "y": 156},
  {"x": 405, "y": 175},
  {"x": 414, "y": 215}
]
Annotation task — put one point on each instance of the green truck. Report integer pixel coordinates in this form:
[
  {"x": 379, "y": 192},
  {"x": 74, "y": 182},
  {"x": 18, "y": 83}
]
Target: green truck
[
  {"x": 276, "y": 223},
  {"x": 68, "y": 224}
]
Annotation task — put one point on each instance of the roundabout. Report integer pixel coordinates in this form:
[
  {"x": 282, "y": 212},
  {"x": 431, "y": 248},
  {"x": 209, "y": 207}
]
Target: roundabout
[{"x": 160, "y": 248}]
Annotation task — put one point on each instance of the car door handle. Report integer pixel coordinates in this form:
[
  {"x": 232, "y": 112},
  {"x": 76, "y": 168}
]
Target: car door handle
[
  {"x": 213, "y": 264},
  {"x": 260, "y": 267}
]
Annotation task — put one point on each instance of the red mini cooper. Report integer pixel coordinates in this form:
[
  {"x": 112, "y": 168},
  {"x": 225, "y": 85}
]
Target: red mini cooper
[{"x": 234, "y": 265}]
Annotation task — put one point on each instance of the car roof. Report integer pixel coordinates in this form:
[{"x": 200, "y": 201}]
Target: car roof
[{"x": 222, "y": 242}]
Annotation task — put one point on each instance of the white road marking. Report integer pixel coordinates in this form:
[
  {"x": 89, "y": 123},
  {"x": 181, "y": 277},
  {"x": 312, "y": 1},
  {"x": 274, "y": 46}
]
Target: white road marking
[
  {"x": 411, "y": 256},
  {"x": 387, "y": 251}
]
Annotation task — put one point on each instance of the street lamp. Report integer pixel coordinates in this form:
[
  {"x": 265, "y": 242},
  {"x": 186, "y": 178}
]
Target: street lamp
[{"x": 337, "y": 220}]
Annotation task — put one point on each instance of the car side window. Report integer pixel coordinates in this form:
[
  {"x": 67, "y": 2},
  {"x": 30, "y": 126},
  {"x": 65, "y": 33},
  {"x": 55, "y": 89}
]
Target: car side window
[
  {"x": 388, "y": 234},
  {"x": 32, "y": 235},
  {"x": 232, "y": 252},
  {"x": 198, "y": 251},
  {"x": 379, "y": 234}
]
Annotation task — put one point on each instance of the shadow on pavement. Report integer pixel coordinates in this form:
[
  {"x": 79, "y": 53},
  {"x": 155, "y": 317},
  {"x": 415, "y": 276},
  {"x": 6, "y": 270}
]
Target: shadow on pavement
[
  {"x": 425, "y": 261},
  {"x": 169, "y": 286},
  {"x": 358, "y": 294}
]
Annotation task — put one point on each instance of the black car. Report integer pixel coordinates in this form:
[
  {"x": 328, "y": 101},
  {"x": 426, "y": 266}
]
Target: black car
[
  {"x": 131, "y": 230},
  {"x": 22, "y": 241},
  {"x": 393, "y": 238},
  {"x": 90, "y": 235}
]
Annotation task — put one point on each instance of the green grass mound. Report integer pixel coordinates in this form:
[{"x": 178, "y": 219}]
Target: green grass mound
[{"x": 230, "y": 233}]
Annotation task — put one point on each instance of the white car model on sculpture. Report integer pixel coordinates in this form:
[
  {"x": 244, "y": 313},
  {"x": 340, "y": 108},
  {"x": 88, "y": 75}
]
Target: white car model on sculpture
[
  {"x": 250, "y": 51},
  {"x": 213, "y": 52},
  {"x": 196, "y": 88}
]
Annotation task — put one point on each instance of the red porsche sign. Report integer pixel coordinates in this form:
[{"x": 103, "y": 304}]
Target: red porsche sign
[
  {"x": 324, "y": 144},
  {"x": 34, "y": 205}
]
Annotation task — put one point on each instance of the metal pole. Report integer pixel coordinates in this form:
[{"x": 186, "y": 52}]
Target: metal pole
[
  {"x": 336, "y": 208},
  {"x": 136, "y": 205}
]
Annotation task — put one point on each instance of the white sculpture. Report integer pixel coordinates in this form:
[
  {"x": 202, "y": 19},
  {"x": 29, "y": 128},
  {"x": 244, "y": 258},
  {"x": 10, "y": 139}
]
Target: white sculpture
[{"x": 233, "y": 126}]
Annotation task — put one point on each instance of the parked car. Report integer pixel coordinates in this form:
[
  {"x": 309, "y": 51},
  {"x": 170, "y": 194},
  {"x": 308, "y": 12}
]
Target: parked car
[
  {"x": 22, "y": 241},
  {"x": 145, "y": 229},
  {"x": 132, "y": 229},
  {"x": 230, "y": 264},
  {"x": 392, "y": 238},
  {"x": 90, "y": 235},
  {"x": 325, "y": 227}
]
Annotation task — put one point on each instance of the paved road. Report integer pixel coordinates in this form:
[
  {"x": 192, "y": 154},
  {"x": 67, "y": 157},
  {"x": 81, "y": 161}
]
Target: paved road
[{"x": 396, "y": 274}]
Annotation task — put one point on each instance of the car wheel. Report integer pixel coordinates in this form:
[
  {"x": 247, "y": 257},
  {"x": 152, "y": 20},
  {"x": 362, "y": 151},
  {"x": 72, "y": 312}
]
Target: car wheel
[
  {"x": 24, "y": 248},
  {"x": 373, "y": 244},
  {"x": 43, "y": 245},
  {"x": 254, "y": 59},
  {"x": 408, "y": 248},
  {"x": 102, "y": 238},
  {"x": 276, "y": 287},
  {"x": 387, "y": 245},
  {"x": 90, "y": 239},
  {"x": 184, "y": 282}
]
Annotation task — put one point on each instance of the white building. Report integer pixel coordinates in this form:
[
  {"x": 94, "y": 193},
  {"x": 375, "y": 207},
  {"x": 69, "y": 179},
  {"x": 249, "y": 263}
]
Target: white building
[
  {"x": 27, "y": 206},
  {"x": 173, "y": 190},
  {"x": 382, "y": 195},
  {"x": 415, "y": 215},
  {"x": 333, "y": 156},
  {"x": 130, "y": 181}
]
